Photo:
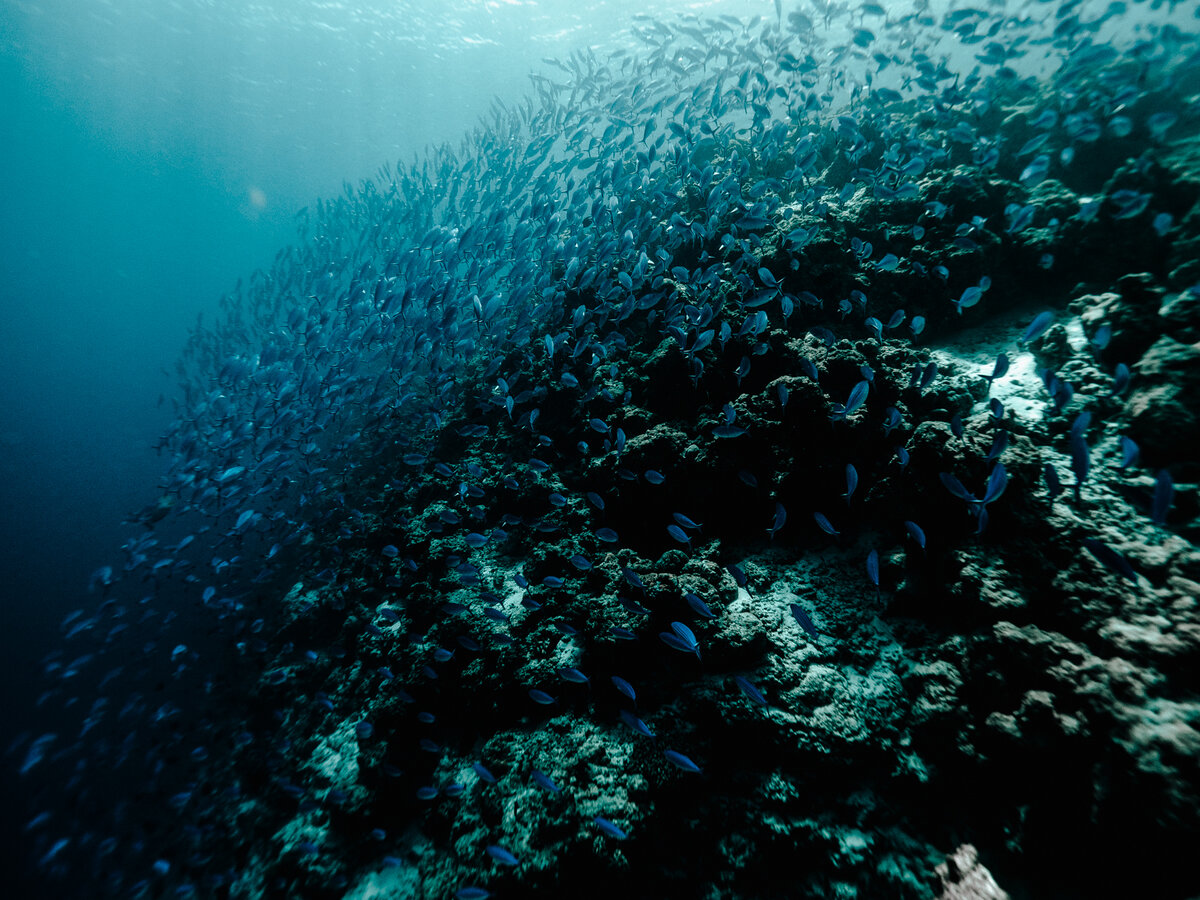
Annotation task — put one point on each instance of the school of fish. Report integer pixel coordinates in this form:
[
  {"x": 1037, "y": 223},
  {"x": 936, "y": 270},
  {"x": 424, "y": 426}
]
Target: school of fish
[{"x": 496, "y": 446}]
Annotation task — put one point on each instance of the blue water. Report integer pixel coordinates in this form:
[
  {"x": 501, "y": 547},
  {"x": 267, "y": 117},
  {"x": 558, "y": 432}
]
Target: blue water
[{"x": 151, "y": 155}]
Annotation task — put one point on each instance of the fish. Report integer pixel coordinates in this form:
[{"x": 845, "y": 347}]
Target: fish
[
  {"x": 802, "y": 618},
  {"x": 544, "y": 781},
  {"x": 635, "y": 723},
  {"x": 824, "y": 524},
  {"x": 858, "y": 396},
  {"x": 682, "y": 761},
  {"x": 624, "y": 687},
  {"x": 999, "y": 370},
  {"x": 1164, "y": 496},
  {"x": 1054, "y": 486},
  {"x": 610, "y": 829},
  {"x": 1039, "y": 326},
  {"x": 748, "y": 688},
  {"x": 968, "y": 298},
  {"x": 699, "y": 607},
  {"x": 1129, "y": 452},
  {"x": 1080, "y": 456},
  {"x": 502, "y": 855},
  {"x": 778, "y": 522},
  {"x": 728, "y": 431},
  {"x": 483, "y": 772},
  {"x": 915, "y": 532},
  {"x": 679, "y": 534},
  {"x": 927, "y": 376},
  {"x": 681, "y": 638},
  {"x": 1111, "y": 559},
  {"x": 851, "y": 482},
  {"x": 1121, "y": 378}
]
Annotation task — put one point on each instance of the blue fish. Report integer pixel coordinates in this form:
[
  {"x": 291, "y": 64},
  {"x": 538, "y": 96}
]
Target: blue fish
[
  {"x": 915, "y": 532},
  {"x": 681, "y": 638},
  {"x": 1039, "y": 326},
  {"x": 777, "y": 523},
  {"x": 728, "y": 431},
  {"x": 502, "y": 855},
  {"x": 748, "y": 688},
  {"x": 635, "y": 723},
  {"x": 624, "y": 687},
  {"x": 1164, "y": 496},
  {"x": 482, "y": 771},
  {"x": 682, "y": 761},
  {"x": 1121, "y": 379},
  {"x": 968, "y": 298},
  {"x": 1111, "y": 559},
  {"x": 858, "y": 396},
  {"x": 544, "y": 781},
  {"x": 804, "y": 621},
  {"x": 1080, "y": 459},
  {"x": 698, "y": 606},
  {"x": 1129, "y": 452},
  {"x": 999, "y": 369},
  {"x": 609, "y": 828},
  {"x": 824, "y": 524},
  {"x": 927, "y": 376},
  {"x": 679, "y": 535}
]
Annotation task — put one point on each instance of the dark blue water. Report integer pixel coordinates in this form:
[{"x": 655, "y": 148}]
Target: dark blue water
[{"x": 108, "y": 258}]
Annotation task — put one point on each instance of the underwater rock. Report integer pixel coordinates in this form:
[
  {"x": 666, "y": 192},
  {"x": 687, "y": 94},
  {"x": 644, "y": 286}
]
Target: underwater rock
[
  {"x": 1163, "y": 416},
  {"x": 1183, "y": 262},
  {"x": 964, "y": 877},
  {"x": 1180, "y": 313},
  {"x": 1130, "y": 311}
]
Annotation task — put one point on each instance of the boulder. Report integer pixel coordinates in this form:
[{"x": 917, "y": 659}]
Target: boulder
[{"x": 1164, "y": 416}]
